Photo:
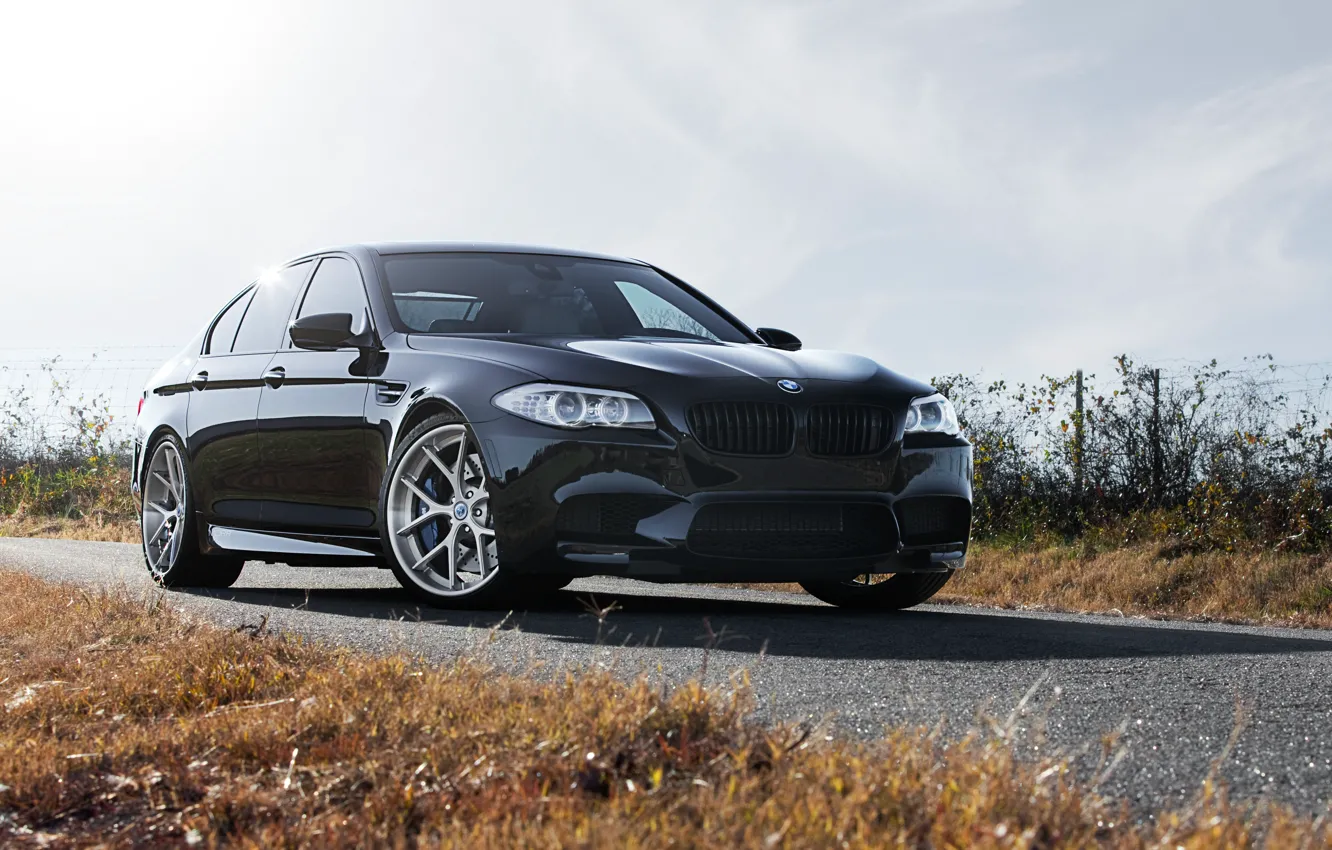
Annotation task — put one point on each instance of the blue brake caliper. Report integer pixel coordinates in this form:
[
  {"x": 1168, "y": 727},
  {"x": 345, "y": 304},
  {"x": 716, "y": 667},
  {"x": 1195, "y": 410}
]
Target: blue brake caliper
[{"x": 429, "y": 531}]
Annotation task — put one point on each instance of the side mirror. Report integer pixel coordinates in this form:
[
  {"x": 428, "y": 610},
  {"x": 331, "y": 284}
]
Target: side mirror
[
  {"x": 775, "y": 338},
  {"x": 323, "y": 332}
]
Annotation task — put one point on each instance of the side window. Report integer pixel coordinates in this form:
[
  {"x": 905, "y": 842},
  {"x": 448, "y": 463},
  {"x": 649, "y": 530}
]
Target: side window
[
  {"x": 656, "y": 312},
  {"x": 336, "y": 288},
  {"x": 266, "y": 319},
  {"x": 224, "y": 329}
]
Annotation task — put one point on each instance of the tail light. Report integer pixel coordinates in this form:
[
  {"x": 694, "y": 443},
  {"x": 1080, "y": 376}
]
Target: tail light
[{"x": 140, "y": 410}]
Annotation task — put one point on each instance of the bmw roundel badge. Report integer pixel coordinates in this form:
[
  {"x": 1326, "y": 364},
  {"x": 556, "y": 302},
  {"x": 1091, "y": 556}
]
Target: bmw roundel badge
[{"x": 789, "y": 385}]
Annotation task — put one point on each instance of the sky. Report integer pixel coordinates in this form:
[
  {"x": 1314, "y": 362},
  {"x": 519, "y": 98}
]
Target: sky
[{"x": 981, "y": 186}]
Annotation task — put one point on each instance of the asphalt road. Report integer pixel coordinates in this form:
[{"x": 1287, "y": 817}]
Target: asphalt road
[{"x": 1173, "y": 688}]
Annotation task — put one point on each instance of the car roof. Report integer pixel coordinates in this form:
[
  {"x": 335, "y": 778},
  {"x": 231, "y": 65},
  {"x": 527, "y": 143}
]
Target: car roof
[{"x": 479, "y": 247}]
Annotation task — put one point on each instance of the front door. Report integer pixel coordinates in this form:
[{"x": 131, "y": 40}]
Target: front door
[{"x": 314, "y": 444}]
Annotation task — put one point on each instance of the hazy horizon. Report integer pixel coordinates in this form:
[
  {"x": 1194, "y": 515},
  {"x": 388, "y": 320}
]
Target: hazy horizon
[{"x": 960, "y": 186}]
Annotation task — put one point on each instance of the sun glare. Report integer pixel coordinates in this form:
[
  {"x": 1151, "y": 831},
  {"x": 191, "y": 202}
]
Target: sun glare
[{"x": 268, "y": 276}]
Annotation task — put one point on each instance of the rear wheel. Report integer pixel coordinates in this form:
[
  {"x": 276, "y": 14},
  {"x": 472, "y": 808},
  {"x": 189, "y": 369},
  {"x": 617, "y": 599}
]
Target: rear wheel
[
  {"x": 170, "y": 537},
  {"x": 883, "y": 592},
  {"x": 438, "y": 528}
]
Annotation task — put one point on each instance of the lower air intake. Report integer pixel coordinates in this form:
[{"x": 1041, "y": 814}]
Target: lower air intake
[
  {"x": 934, "y": 520},
  {"x": 599, "y": 516},
  {"x": 792, "y": 531}
]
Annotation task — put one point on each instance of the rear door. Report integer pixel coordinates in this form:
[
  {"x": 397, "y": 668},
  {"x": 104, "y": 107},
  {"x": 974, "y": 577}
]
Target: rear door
[
  {"x": 221, "y": 421},
  {"x": 320, "y": 475}
]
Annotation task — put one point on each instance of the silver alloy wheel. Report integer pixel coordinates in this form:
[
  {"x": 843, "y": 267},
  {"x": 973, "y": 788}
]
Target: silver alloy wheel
[
  {"x": 438, "y": 514},
  {"x": 163, "y": 516}
]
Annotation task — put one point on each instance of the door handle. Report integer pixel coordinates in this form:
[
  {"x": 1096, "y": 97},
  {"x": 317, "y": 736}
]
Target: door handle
[
  {"x": 199, "y": 379},
  {"x": 275, "y": 376}
]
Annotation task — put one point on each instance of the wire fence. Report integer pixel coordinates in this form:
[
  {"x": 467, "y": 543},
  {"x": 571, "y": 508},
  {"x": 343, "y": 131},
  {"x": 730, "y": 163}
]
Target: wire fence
[
  {"x": 1300, "y": 384},
  {"x": 1286, "y": 393},
  {"x": 48, "y": 394}
]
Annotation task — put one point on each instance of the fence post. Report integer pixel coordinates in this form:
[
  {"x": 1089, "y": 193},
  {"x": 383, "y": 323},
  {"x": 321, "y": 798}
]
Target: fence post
[
  {"x": 1157, "y": 470},
  {"x": 1078, "y": 480}
]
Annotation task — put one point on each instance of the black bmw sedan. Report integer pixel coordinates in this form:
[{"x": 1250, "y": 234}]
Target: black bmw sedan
[{"x": 489, "y": 421}]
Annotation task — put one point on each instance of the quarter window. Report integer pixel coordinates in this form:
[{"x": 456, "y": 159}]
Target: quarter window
[
  {"x": 224, "y": 329},
  {"x": 266, "y": 319}
]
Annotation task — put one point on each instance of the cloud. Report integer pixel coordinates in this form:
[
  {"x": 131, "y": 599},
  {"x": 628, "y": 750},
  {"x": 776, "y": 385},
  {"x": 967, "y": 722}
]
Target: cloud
[
  {"x": 944, "y": 185},
  {"x": 1148, "y": 228}
]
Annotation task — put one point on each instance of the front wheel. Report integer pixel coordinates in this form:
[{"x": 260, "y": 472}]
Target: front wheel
[
  {"x": 170, "y": 540},
  {"x": 883, "y": 592},
  {"x": 437, "y": 525}
]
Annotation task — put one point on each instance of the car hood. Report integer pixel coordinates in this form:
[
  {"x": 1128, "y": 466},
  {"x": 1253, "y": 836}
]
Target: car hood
[{"x": 626, "y": 362}]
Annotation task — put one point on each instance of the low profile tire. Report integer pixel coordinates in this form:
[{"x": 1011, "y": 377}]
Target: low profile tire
[
  {"x": 170, "y": 535},
  {"x": 888, "y": 593},
  {"x": 437, "y": 527}
]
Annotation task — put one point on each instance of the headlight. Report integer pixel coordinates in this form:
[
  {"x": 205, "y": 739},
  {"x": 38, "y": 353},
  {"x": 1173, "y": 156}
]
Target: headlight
[
  {"x": 932, "y": 415},
  {"x": 575, "y": 407}
]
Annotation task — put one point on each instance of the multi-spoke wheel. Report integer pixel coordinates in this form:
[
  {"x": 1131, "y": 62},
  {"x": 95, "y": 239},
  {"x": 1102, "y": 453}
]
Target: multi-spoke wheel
[
  {"x": 169, "y": 546},
  {"x": 883, "y": 591},
  {"x": 437, "y": 519},
  {"x": 163, "y": 518}
]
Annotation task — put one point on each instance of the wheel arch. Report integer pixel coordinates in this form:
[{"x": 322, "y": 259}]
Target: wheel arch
[
  {"x": 150, "y": 442},
  {"x": 421, "y": 410}
]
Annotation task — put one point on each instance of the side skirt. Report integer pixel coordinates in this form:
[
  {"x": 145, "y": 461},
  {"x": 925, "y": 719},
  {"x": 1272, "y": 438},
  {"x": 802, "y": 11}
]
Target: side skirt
[{"x": 293, "y": 550}]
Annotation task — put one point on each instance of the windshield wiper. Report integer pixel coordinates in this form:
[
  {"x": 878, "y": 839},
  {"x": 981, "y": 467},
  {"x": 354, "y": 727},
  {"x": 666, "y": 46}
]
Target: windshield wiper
[{"x": 666, "y": 333}]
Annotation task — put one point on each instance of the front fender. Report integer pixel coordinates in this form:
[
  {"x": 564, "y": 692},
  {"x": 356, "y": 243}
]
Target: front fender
[{"x": 437, "y": 382}]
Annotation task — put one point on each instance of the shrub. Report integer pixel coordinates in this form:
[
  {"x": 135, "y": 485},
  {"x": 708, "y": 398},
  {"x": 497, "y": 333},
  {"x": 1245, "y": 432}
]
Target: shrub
[
  {"x": 1213, "y": 457},
  {"x": 61, "y": 456}
]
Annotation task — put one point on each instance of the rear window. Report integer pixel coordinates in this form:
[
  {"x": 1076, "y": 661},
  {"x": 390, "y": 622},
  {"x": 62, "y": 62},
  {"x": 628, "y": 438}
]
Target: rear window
[{"x": 481, "y": 293}]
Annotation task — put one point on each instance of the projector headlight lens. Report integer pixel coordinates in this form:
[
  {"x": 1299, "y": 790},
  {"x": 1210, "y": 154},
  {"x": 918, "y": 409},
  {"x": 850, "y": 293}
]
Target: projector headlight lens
[
  {"x": 932, "y": 415},
  {"x": 575, "y": 407}
]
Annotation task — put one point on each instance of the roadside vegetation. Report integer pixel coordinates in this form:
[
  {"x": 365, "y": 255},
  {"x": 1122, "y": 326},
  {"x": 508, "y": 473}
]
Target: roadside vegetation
[
  {"x": 63, "y": 463},
  {"x": 1251, "y": 584},
  {"x": 126, "y": 723},
  {"x": 1201, "y": 459},
  {"x": 1201, "y": 492}
]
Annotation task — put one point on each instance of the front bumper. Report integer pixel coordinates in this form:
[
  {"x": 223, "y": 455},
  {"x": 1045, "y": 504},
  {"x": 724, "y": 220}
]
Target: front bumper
[{"x": 656, "y": 505}]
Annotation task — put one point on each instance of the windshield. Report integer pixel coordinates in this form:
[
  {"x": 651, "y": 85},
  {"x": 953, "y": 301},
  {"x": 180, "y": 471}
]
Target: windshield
[{"x": 466, "y": 293}]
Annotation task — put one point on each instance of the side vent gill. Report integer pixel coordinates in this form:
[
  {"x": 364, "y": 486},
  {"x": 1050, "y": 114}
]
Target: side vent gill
[{"x": 389, "y": 392}]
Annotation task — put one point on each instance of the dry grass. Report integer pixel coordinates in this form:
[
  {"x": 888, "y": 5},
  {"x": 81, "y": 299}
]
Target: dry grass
[
  {"x": 99, "y": 487},
  {"x": 1258, "y": 586},
  {"x": 91, "y": 502},
  {"x": 97, "y": 527},
  {"x": 124, "y": 723}
]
